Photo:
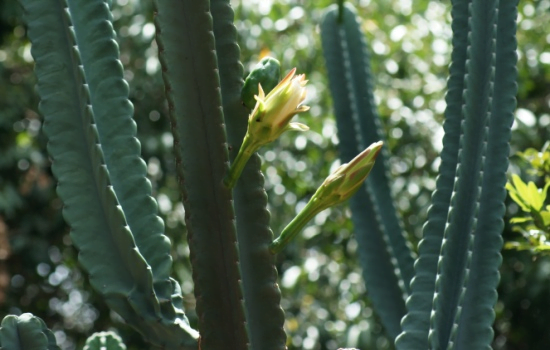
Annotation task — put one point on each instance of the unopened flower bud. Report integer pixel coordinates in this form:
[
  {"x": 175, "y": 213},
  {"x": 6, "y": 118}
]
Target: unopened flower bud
[
  {"x": 339, "y": 186},
  {"x": 266, "y": 73}
]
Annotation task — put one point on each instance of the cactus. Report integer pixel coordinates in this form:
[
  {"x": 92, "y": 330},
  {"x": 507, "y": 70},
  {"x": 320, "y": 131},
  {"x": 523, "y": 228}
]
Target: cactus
[
  {"x": 30, "y": 332},
  {"x": 104, "y": 340},
  {"x": 444, "y": 300},
  {"x": 25, "y": 332},
  {"x": 117, "y": 229},
  {"x": 451, "y": 298},
  {"x": 265, "y": 317},
  {"x": 380, "y": 241}
]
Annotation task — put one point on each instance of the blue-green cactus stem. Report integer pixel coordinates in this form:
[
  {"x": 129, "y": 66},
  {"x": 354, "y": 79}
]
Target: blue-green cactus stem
[
  {"x": 116, "y": 128},
  {"x": 369, "y": 129},
  {"x": 26, "y": 332},
  {"x": 104, "y": 341},
  {"x": 456, "y": 251},
  {"x": 98, "y": 226},
  {"x": 416, "y": 323},
  {"x": 188, "y": 56},
  {"x": 385, "y": 286},
  {"x": 475, "y": 329},
  {"x": 265, "y": 317}
]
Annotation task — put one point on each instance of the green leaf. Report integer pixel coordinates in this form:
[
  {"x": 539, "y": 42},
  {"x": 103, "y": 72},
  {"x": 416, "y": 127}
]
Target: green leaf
[
  {"x": 518, "y": 245},
  {"x": 527, "y": 196},
  {"x": 540, "y": 160},
  {"x": 543, "y": 193},
  {"x": 536, "y": 199},
  {"x": 542, "y": 248},
  {"x": 515, "y": 194},
  {"x": 519, "y": 220},
  {"x": 520, "y": 186},
  {"x": 545, "y": 215}
]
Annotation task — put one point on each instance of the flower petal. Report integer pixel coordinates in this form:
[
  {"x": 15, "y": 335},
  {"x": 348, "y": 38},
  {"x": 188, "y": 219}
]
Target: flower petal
[{"x": 297, "y": 127}]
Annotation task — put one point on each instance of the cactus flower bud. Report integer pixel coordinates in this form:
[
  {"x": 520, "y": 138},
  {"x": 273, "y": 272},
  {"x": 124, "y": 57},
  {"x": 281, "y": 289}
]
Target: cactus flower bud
[
  {"x": 270, "y": 118},
  {"x": 337, "y": 187},
  {"x": 347, "y": 178},
  {"x": 267, "y": 73},
  {"x": 272, "y": 113}
]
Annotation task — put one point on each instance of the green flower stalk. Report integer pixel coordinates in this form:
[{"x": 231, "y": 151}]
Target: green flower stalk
[
  {"x": 270, "y": 118},
  {"x": 337, "y": 187}
]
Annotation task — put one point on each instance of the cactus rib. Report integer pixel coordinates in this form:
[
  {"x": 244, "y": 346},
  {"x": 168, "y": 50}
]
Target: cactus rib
[
  {"x": 107, "y": 249},
  {"x": 190, "y": 70},
  {"x": 455, "y": 256},
  {"x": 416, "y": 323},
  {"x": 379, "y": 273},
  {"x": 475, "y": 324},
  {"x": 265, "y": 318}
]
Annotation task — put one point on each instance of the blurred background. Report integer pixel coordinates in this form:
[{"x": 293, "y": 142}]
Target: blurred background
[{"x": 324, "y": 297}]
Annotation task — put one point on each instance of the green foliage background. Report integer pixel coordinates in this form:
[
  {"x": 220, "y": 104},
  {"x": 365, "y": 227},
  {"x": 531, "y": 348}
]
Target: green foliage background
[{"x": 323, "y": 294}]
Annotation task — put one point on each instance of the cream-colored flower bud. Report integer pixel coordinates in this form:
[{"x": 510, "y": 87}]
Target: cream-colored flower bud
[
  {"x": 347, "y": 178},
  {"x": 339, "y": 186},
  {"x": 272, "y": 114},
  {"x": 270, "y": 118}
]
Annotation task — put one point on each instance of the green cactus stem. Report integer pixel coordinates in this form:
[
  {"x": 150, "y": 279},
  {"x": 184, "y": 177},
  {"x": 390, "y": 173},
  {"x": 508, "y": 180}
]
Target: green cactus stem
[
  {"x": 26, "y": 332},
  {"x": 265, "y": 317}
]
